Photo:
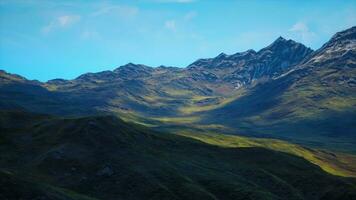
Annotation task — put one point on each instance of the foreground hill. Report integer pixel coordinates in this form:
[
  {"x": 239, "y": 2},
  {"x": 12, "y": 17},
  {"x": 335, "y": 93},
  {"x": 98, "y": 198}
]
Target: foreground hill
[{"x": 105, "y": 158}]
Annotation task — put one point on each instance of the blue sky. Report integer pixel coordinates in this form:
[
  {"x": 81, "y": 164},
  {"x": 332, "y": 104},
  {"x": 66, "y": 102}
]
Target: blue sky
[{"x": 62, "y": 39}]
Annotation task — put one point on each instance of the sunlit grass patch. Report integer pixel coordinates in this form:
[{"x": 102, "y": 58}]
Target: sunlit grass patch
[
  {"x": 339, "y": 103},
  {"x": 222, "y": 101},
  {"x": 176, "y": 92},
  {"x": 178, "y": 120},
  {"x": 337, "y": 164}
]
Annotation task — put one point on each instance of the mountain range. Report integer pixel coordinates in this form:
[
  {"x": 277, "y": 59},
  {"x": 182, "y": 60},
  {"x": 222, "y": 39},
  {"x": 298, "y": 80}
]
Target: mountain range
[
  {"x": 182, "y": 133},
  {"x": 261, "y": 93}
]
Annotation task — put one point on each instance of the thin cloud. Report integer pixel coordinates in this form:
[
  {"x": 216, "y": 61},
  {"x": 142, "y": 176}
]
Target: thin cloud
[
  {"x": 302, "y": 31},
  {"x": 170, "y": 25},
  {"x": 61, "y": 22},
  {"x": 123, "y": 11},
  {"x": 87, "y": 34},
  {"x": 183, "y": 21},
  {"x": 174, "y": 1},
  {"x": 190, "y": 15}
]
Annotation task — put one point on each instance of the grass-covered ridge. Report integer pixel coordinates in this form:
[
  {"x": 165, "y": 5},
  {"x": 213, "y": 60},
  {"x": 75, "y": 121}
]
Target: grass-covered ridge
[{"x": 334, "y": 163}]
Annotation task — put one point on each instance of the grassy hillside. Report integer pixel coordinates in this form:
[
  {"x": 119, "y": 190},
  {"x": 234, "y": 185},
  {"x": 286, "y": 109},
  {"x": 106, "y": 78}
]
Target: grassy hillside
[
  {"x": 334, "y": 163},
  {"x": 105, "y": 158},
  {"x": 14, "y": 187}
]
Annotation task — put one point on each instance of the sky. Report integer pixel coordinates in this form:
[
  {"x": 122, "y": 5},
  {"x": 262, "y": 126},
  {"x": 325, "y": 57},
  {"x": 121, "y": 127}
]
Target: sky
[{"x": 44, "y": 40}]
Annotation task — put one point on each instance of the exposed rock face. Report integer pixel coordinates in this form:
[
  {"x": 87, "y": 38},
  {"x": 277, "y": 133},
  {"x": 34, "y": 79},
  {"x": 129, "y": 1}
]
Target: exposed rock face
[
  {"x": 6, "y": 78},
  {"x": 341, "y": 48},
  {"x": 243, "y": 68},
  {"x": 132, "y": 71}
]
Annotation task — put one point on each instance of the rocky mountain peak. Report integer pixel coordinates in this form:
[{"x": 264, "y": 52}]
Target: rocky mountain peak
[
  {"x": 132, "y": 70},
  {"x": 221, "y": 56},
  {"x": 8, "y": 77},
  {"x": 280, "y": 39},
  {"x": 243, "y": 55},
  {"x": 104, "y": 75},
  {"x": 281, "y": 44},
  {"x": 341, "y": 47},
  {"x": 242, "y": 68},
  {"x": 132, "y": 66},
  {"x": 348, "y": 34},
  {"x": 56, "y": 81}
]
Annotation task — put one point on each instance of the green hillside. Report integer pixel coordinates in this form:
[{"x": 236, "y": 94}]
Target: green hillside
[
  {"x": 335, "y": 163},
  {"x": 106, "y": 158}
]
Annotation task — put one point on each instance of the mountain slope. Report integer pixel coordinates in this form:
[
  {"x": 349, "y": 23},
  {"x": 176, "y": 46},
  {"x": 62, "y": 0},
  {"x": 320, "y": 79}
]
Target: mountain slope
[
  {"x": 132, "y": 162},
  {"x": 285, "y": 91},
  {"x": 334, "y": 163},
  {"x": 314, "y": 102},
  {"x": 12, "y": 187}
]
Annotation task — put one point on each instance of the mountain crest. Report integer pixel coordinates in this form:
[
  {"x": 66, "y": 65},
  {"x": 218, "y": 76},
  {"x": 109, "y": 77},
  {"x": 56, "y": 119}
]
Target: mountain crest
[
  {"x": 341, "y": 47},
  {"x": 221, "y": 55},
  {"x": 280, "y": 39},
  {"x": 348, "y": 34},
  {"x": 131, "y": 65},
  {"x": 280, "y": 44}
]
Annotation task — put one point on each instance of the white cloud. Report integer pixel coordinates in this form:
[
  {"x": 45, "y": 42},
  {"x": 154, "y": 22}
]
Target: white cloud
[
  {"x": 171, "y": 25},
  {"x": 68, "y": 19},
  {"x": 85, "y": 35},
  {"x": 61, "y": 22},
  {"x": 190, "y": 15},
  {"x": 299, "y": 27},
  {"x": 122, "y": 11},
  {"x": 175, "y": 1},
  {"x": 302, "y": 32}
]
